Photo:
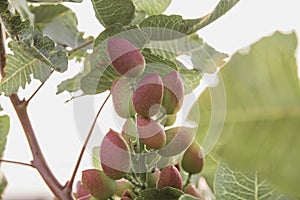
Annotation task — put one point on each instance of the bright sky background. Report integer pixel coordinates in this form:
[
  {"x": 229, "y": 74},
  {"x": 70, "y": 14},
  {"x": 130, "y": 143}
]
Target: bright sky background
[{"x": 60, "y": 135}]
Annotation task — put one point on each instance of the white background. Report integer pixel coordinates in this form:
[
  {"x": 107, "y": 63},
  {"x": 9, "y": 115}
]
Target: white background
[{"x": 53, "y": 120}]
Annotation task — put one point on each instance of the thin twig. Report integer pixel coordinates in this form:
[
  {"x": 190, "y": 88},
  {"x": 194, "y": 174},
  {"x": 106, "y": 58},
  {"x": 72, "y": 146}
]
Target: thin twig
[
  {"x": 69, "y": 53},
  {"x": 73, "y": 97},
  {"x": 80, "y": 47},
  {"x": 16, "y": 162},
  {"x": 41, "y": 85},
  {"x": 70, "y": 183}
]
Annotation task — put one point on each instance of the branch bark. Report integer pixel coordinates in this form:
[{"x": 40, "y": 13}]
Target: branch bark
[
  {"x": 39, "y": 161},
  {"x": 2, "y": 51}
]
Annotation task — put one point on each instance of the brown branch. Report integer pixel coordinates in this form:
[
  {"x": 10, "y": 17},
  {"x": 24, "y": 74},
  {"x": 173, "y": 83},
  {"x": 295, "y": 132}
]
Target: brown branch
[
  {"x": 41, "y": 85},
  {"x": 80, "y": 47},
  {"x": 2, "y": 50},
  {"x": 16, "y": 162},
  {"x": 39, "y": 161},
  {"x": 70, "y": 183}
]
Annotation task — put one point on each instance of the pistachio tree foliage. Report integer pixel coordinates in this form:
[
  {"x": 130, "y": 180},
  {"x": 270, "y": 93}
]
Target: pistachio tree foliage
[{"x": 138, "y": 59}]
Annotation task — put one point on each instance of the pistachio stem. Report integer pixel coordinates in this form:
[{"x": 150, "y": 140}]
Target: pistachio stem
[
  {"x": 188, "y": 181},
  {"x": 70, "y": 183},
  {"x": 143, "y": 175},
  {"x": 134, "y": 182}
]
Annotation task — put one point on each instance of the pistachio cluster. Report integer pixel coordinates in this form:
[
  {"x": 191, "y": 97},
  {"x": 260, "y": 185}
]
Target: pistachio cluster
[{"x": 149, "y": 102}]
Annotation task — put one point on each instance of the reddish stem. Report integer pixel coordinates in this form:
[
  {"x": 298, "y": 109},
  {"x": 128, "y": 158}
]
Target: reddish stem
[
  {"x": 2, "y": 51},
  {"x": 15, "y": 162},
  {"x": 70, "y": 183},
  {"x": 39, "y": 161}
]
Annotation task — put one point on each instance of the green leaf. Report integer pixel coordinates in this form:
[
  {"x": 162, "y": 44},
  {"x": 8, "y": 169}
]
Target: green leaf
[
  {"x": 4, "y": 129},
  {"x": 133, "y": 34},
  {"x": 174, "y": 26},
  {"x": 222, "y": 8},
  {"x": 44, "y": 49},
  {"x": 3, "y": 183},
  {"x": 58, "y": 59},
  {"x": 44, "y": 14},
  {"x": 210, "y": 168},
  {"x": 261, "y": 129},
  {"x": 138, "y": 18},
  {"x": 151, "y": 7},
  {"x": 100, "y": 75},
  {"x": 3, "y": 6},
  {"x": 22, "y": 8},
  {"x": 191, "y": 79},
  {"x": 34, "y": 43},
  {"x": 109, "y": 12},
  {"x": 20, "y": 66},
  {"x": 96, "y": 158},
  {"x": 109, "y": 32},
  {"x": 14, "y": 25},
  {"x": 163, "y": 27},
  {"x": 71, "y": 84},
  {"x": 54, "y": 1},
  {"x": 60, "y": 24},
  {"x": 187, "y": 197},
  {"x": 80, "y": 54},
  {"x": 159, "y": 68},
  {"x": 234, "y": 185},
  {"x": 98, "y": 80},
  {"x": 151, "y": 58},
  {"x": 167, "y": 193},
  {"x": 157, "y": 63},
  {"x": 204, "y": 58}
]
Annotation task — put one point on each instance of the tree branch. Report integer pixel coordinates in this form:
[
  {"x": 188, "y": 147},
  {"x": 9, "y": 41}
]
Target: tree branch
[
  {"x": 15, "y": 162},
  {"x": 2, "y": 50},
  {"x": 39, "y": 161},
  {"x": 80, "y": 47},
  {"x": 41, "y": 85},
  {"x": 70, "y": 183}
]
